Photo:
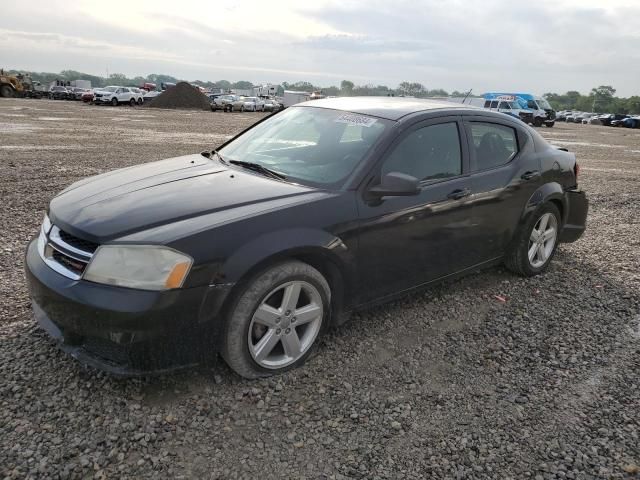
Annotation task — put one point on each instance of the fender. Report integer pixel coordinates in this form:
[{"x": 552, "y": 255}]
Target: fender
[
  {"x": 266, "y": 248},
  {"x": 545, "y": 193}
]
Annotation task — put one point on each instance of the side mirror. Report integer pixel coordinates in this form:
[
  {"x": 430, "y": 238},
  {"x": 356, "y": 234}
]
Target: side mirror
[{"x": 395, "y": 184}]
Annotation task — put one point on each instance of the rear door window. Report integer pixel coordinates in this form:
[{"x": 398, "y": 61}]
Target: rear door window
[{"x": 494, "y": 144}]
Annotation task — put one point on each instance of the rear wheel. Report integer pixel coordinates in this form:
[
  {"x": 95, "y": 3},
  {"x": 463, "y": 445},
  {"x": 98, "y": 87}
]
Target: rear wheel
[
  {"x": 132, "y": 102},
  {"x": 535, "y": 242},
  {"x": 275, "y": 322},
  {"x": 537, "y": 122},
  {"x": 550, "y": 124},
  {"x": 140, "y": 101},
  {"x": 114, "y": 102}
]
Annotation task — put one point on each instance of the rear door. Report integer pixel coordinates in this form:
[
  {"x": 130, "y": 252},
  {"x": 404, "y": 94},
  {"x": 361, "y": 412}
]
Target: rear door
[{"x": 505, "y": 173}]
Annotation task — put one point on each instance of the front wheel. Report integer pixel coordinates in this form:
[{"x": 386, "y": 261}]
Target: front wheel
[
  {"x": 140, "y": 101},
  {"x": 537, "y": 122},
  {"x": 549, "y": 124},
  {"x": 275, "y": 322},
  {"x": 535, "y": 242},
  {"x": 114, "y": 102},
  {"x": 6, "y": 91}
]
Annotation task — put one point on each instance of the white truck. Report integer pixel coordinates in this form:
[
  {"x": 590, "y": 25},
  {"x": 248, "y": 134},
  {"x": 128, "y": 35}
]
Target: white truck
[
  {"x": 292, "y": 97},
  {"x": 265, "y": 91}
]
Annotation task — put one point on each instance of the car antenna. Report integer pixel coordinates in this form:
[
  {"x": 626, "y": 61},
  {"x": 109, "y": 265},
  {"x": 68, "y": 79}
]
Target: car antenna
[{"x": 467, "y": 95}]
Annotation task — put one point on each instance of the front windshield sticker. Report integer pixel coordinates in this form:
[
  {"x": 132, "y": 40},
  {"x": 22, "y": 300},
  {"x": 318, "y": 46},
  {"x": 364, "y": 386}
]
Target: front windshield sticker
[{"x": 353, "y": 119}]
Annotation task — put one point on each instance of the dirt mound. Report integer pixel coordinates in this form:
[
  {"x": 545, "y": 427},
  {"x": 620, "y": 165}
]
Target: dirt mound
[{"x": 181, "y": 96}]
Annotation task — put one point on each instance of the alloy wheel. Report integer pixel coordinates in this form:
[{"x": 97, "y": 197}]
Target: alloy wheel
[
  {"x": 542, "y": 240},
  {"x": 285, "y": 324}
]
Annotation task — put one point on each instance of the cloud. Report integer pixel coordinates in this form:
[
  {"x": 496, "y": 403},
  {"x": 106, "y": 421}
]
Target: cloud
[{"x": 454, "y": 44}]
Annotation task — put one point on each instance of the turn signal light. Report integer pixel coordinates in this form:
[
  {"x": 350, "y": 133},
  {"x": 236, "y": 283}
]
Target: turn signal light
[{"x": 176, "y": 277}]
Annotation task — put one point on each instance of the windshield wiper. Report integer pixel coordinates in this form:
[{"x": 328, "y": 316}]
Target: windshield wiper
[{"x": 256, "y": 167}]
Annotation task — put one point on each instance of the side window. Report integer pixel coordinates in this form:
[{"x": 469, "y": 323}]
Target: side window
[
  {"x": 429, "y": 153},
  {"x": 494, "y": 144},
  {"x": 487, "y": 104}
]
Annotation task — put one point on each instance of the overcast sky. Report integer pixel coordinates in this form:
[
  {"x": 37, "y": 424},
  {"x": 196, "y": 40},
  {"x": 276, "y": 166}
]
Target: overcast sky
[{"x": 541, "y": 46}]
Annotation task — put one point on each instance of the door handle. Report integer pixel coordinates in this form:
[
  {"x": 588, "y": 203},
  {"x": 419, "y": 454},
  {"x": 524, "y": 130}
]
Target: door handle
[
  {"x": 530, "y": 175},
  {"x": 459, "y": 193}
]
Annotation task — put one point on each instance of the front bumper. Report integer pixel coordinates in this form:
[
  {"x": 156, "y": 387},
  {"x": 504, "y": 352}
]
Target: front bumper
[
  {"x": 576, "y": 221},
  {"x": 121, "y": 330},
  {"x": 102, "y": 99}
]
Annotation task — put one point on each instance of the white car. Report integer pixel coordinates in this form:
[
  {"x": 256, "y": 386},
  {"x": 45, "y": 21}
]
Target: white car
[
  {"x": 115, "y": 95},
  {"x": 252, "y": 104}
]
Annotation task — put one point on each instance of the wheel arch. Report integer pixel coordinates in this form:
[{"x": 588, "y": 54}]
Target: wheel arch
[
  {"x": 321, "y": 250},
  {"x": 551, "y": 192}
]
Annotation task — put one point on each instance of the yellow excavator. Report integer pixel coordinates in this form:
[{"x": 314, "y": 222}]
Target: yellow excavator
[
  {"x": 19, "y": 86},
  {"x": 10, "y": 85}
]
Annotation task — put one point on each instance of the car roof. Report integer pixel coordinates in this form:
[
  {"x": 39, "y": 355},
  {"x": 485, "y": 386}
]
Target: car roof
[{"x": 391, "y": 108}]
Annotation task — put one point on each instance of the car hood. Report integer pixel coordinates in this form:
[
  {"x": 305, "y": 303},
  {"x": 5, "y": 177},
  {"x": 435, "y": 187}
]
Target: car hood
[{"x": 134, "y": 199}]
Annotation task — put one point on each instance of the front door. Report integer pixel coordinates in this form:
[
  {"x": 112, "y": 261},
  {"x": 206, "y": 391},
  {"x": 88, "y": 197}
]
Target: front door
[{"x": 407, "y": 241}]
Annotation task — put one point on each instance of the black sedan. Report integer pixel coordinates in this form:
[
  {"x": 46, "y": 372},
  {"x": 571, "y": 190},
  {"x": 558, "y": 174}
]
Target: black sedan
[{"x": 255, "y": 249}]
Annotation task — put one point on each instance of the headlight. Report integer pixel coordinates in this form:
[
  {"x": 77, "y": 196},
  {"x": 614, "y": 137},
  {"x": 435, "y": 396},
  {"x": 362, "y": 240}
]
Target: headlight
[
  {"x": 46, "y": 224},
  {"x": 139, "y": 266}
]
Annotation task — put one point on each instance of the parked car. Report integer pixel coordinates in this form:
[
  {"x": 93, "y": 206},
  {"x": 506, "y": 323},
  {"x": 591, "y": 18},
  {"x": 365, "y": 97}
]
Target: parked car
[
  {"x": 271, "y": 105},
  {"x": 251, "y": 104},
  {"x": 115, "y": 95},
  {"x": 224, "y": 103},
  {"x": 87, "y": 96},
  {"x": 151, "y": 95},
  {"x": 58, "y": 93},
  {"x": 608, "y": 118},
  {"x": 255, "y": 249},
  {"x": 631, "y": 122}
]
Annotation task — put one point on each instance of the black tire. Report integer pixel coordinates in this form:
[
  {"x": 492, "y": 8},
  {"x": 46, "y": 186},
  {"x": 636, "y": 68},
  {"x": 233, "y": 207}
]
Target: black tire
[
  {"x": 6, "y": 91},
  {"x": 114, "y": 102},
  {"x": 517, "y": 259},
  {"x": 235, "y": 344},
  {"x": 537, "y": 122},
  {"x": 140, "y": 101},
  {"x": 549, "y": 124},
  {"x": 242, "y": 108},
  {"x": 132, "y": 102}
]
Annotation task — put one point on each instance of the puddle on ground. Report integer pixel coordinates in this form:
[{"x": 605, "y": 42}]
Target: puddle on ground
[
  {"x": 55, "y": 119},
  {"x": 560, "y": 142},
  {"x": 43, "y": 147},
  {"x": 17, "y": 127}
]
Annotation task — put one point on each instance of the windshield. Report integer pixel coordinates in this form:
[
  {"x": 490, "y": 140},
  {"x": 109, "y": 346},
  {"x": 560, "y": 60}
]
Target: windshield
[
  {"x": 110, "y": 89},
  {"x": 544, "y": 104},
  {"x": 532, "y": 104},
  {"x": 315, "y": 146}
]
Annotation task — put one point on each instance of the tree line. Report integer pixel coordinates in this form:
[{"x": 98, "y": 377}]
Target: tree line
[{"x": 599, "y": 99}]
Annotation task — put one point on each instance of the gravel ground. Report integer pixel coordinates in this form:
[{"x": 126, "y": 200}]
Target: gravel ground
[{"x": 451, "y": 383}]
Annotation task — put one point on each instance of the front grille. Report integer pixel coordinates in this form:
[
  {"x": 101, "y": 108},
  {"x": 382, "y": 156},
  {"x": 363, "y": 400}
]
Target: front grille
[
  {"x": 65, "y": 253},
  {"x": 79, "y": 243},
  {"x": 68, "y": 262}
]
